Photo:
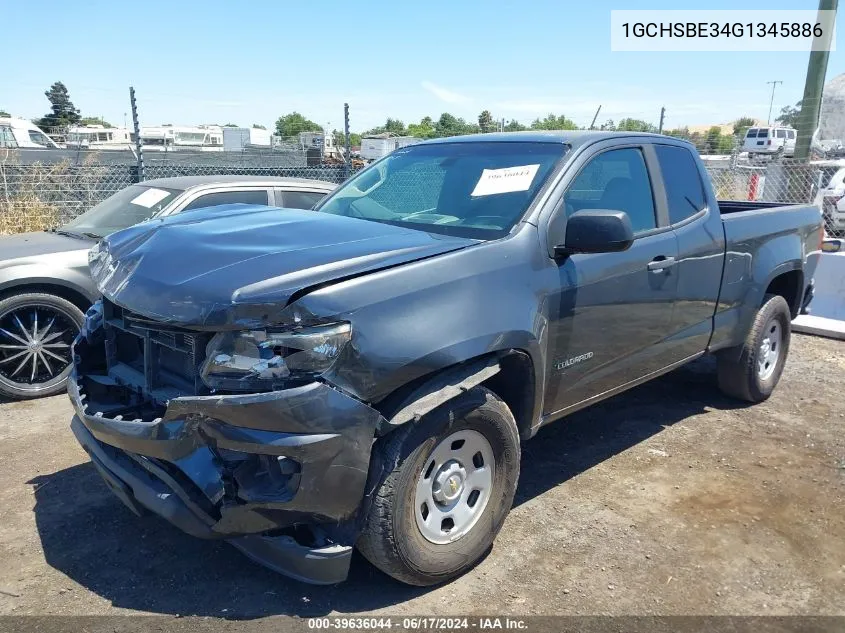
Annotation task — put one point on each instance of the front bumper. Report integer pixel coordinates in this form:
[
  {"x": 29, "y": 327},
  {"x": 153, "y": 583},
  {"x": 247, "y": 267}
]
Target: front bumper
[{"x": 281, "y": 475}]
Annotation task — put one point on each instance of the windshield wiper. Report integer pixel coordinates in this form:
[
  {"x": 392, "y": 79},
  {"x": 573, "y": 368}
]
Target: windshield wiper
[{"x": 78, "y": 236}]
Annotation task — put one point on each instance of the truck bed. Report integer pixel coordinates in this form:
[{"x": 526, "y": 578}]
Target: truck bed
[
  {"x": 763, "y": 240},
  {"x": 737, "y": 206}
]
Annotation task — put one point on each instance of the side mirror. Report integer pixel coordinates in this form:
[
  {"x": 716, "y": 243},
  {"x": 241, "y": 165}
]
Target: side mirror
[{"x": 596, "y": 231}]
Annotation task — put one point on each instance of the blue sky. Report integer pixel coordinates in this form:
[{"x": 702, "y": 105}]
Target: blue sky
[{"x": 249, "y": 62}]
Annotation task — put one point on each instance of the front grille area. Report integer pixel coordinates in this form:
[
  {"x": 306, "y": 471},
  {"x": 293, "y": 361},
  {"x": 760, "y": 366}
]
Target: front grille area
[{"x": 150, "y": 357}]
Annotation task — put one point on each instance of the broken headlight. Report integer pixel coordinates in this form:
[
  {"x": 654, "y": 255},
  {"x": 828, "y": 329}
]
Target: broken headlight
[{"x": 260, "y": 359}]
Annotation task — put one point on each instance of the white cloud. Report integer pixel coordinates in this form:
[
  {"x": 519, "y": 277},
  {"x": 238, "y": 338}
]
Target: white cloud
[{"x": 444, "y": 94}]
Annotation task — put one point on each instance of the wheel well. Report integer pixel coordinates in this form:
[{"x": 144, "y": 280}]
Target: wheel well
[
  {"x": 74, "y": 296},
  {"x": 788, "y": 285},
  {"x": 513, "y": 383}
]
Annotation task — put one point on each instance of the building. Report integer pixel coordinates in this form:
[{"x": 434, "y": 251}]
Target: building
[{"x": 376, "y": 146}]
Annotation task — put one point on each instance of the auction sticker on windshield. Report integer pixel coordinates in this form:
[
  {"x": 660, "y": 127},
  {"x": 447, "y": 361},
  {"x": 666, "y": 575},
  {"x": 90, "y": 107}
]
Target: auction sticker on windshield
[
  {"x": 505, "y": 180},
  {"x": 150, "y": 197}
]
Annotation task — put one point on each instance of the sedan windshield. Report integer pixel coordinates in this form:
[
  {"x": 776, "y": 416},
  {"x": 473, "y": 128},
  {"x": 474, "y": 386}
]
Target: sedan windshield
[
  {"x": 128, "y": 206},
  {"x": 477, "y": 190}
]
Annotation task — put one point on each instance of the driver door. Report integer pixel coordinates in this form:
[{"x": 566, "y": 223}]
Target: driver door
[{"x": 611, "y": 315}]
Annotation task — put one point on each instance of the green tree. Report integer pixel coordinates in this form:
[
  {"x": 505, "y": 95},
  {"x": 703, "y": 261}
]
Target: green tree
[
  {"x": 90, "y": 120},
  {"x": 4, "y": 113},
  {"x": 789, "y": 115},
  {"x": 635, "y": 125},
  {"x": 62, "y": 111},
  {"x": 395, "y": 126},
  {"x": 552, "y": 122},
  {"x": 515, "y": 126},
  {"x": 678, "y": 132},
  {"x": 717, "y": 143},
  {"x": 339, "y": 141},
  {"x": 742, "y": 124},
  {"x": 294, "y": 123},
  {"x": 485, "y": 122},
  {"x": 449, "y": 125},
  {"x": 257, "y": 126},
  {"x": 423, "y": 129},
  {"x": 391, "y": 126},
  {"x": 230, "y": 125}
]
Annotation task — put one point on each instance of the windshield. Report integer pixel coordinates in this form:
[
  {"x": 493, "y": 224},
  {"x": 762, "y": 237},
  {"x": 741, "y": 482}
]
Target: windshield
[
  {"x": 128, "y": 206},
  {"x": 477, "y": 190}
]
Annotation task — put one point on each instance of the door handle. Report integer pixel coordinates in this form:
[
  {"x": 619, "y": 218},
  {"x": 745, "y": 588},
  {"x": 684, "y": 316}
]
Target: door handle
[{"x": 660, "y": 263}]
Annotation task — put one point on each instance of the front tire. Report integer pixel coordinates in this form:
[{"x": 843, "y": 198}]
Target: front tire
[
  {"x": 754, "y": 374},
  {"x": 454, "y": 475},
  {"x": 36, "y": 331}
]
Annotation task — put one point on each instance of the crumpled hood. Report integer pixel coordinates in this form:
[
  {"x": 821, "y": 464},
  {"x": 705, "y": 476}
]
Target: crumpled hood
[{"x": 239, "y": 265}]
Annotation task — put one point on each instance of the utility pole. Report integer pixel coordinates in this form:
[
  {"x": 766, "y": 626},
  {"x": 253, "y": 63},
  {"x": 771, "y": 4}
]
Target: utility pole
[
  {"x": 772, "y": 101},
  {"x": 137, "y": 128},
  {"x": 347, "y": 151},
  {"x": 662, "y": 116},
  {"x": 808, "y": 119},
  {"x": 595, "y": 116}
]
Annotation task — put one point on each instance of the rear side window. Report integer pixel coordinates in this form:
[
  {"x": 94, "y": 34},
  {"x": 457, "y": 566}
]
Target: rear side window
[
  {"x": 228, "y": 197},
  {"x": 752, "y": 133},
  {"x": 684, "y": 189},
  {"x": 790, "y": 133},
  {"x": 301, "y": 199},
  {"x": 780, "y": 133},
  {"x": 764, "y": 133},
  {"x": 617, "y": 180}
]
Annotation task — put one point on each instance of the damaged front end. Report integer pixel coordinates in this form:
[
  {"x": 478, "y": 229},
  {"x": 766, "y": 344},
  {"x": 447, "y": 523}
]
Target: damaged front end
[{"x": 281, "y": 473}]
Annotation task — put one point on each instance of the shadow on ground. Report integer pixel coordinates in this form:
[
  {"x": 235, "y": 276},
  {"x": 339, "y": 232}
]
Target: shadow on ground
[{"x": 146, "y": 565}]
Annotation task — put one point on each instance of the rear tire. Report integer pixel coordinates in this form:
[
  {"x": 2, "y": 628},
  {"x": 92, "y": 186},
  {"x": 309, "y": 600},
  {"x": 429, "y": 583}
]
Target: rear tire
[
  {"x": 51, "y": 321},
  {"x": 408, "y": 534},
  {"x": 754, "y": 374}
]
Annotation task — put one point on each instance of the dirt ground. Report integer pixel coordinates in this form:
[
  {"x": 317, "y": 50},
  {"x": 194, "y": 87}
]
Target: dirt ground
[{"x": 669, "y": 499}]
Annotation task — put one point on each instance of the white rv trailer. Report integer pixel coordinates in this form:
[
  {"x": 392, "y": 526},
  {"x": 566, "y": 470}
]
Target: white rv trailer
[
  {"x": 203, "y": 138},
  {"x": 377, "y": 145},
  {"x": 20, "y": 133},
  {"x": 99, "y": 137}
]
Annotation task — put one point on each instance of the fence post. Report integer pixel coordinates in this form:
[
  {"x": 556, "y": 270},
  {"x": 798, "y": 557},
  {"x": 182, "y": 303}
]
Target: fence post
[
  {"x": 140, "y": 174},
  {"x": 347, "y": 153}
]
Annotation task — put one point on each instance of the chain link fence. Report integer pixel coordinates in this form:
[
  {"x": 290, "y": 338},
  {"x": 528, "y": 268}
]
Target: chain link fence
[
  {"x": 39, "y": 195},
  {"x": 35, "y": 195}
]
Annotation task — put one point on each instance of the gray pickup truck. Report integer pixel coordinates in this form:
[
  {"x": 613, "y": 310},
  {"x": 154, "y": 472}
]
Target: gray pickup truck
[{"x": 304, "y": 383}]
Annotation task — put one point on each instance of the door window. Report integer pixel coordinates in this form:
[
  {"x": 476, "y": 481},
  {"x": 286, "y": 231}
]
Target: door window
[
  {"x": 684, "y": 189},
  {"x": 228, "y": 197},
  {"x": 617, "y": 180}
]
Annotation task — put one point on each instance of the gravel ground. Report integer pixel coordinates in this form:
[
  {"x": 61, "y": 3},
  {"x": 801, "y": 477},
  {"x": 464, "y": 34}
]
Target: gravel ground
[{"x": 669, "y": 499}]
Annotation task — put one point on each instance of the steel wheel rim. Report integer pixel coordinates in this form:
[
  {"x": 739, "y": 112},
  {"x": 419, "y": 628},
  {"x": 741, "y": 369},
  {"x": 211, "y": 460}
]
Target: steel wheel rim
[
  {"x": 454, "y": 486},
  {"x": 35, "y": 342},
  {"x": 770, "y": 349}
]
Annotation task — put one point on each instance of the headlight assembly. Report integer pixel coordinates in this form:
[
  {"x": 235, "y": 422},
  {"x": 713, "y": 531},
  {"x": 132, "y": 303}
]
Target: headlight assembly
[{"x": 257, "y": 360}]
